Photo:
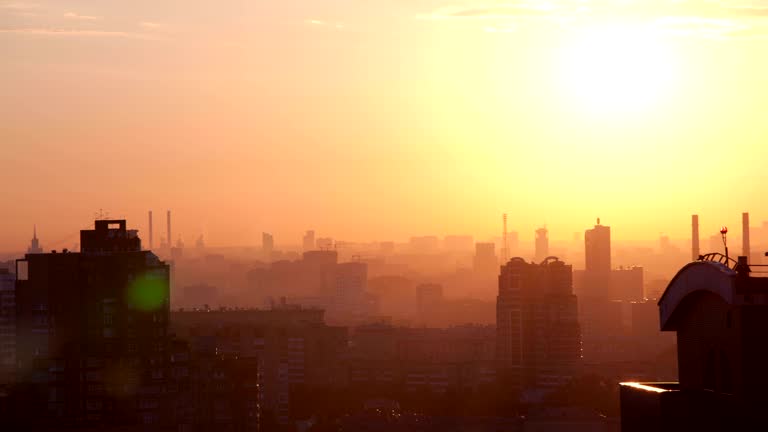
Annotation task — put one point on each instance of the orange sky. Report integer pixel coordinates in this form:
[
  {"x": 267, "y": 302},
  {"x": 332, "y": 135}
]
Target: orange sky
[{"x": 380, "y": 119}]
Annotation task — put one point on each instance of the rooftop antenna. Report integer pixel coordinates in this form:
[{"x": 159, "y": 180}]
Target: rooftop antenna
[
  {"x": 724, "y": 234},
  {"x": 101, "y": 215}
]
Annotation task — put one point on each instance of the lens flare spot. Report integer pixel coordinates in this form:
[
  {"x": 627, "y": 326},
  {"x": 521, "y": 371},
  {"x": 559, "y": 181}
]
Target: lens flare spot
[{"x": 147, "y": 292}]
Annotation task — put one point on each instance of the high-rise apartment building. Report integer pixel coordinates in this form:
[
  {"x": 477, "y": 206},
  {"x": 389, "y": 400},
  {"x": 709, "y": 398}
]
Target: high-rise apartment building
[
  {"x": 485, "y": 260},
  {"x": 267, "y": 245},
  {"x": 91, "y": 329},
  {"x": 597, "y": 256},
  {"x": 538, "y": 336},
  {"x": 7, "y": 326},
  {"x": 309, "y": 241}
]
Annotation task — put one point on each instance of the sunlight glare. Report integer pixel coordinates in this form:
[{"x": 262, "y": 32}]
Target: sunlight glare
[{"x": 617, "y": 69}]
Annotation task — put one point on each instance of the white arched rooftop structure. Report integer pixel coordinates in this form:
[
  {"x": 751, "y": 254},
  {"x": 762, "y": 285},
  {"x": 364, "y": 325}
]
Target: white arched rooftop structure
[{"x": 695, "y": 278}]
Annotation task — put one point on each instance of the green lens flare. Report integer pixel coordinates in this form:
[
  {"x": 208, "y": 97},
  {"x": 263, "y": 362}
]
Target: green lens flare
[{"x": 147, "y": 292}]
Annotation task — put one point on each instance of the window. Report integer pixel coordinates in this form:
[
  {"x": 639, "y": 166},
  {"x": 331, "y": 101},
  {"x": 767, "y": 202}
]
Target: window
[{"x": 22, "y": 270}]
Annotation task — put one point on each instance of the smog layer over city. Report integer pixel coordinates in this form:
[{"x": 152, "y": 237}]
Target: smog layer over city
[{"x": 383, "y": 215}]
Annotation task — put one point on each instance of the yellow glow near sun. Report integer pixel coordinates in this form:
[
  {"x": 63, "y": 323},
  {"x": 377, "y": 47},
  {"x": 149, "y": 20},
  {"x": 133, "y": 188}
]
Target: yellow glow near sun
[{"x": 617, "y": 69}]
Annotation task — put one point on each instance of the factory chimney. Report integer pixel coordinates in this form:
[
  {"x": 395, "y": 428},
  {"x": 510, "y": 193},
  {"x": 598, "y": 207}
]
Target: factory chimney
[
  {"x": 695, "y": 252},
  {"x": 150, "y": 230},
  {"x": 745, "y": 235}
]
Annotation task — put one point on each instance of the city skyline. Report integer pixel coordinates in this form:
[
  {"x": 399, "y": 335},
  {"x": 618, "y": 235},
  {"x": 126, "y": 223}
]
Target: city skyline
[
  {"x": 294, "y": 238},
  {"x": 427, "y": 116}
]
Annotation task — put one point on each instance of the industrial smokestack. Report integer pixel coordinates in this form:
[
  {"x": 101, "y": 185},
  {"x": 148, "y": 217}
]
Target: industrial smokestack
[
  {"x": 695, "y": 237},
  {"x": 745, "y": 235},
  {"x": 170, "y": 242},
  {"x": 150, "y": 230}
]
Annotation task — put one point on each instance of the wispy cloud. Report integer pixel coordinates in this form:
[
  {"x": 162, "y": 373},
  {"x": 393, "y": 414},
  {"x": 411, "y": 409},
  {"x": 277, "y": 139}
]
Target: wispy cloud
[
  {"x": 20, "y": 9},
  {"x": 716, "y": 28},
  {"x": 19, "y": 6},
  {"x": 487, "y": 12},
  {"x": 76, "y": 16},
  {"x": 321, "y": 23},
  {"x": 753, "y": 11},
  {"x": 74, "y": 33},
  {"x": 717, "y": 19},
  {"x": 151, "y": 25}
]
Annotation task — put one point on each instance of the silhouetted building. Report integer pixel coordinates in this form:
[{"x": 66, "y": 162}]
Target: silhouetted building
[
  {"x": 538, "y": 335},
  {"x": 647, "y": 339},
  {"x": 597, "y": 259},
  {"x": 325, "y": 243},
  {"x": 91, "y": 331},
  {"x": 34, "y": 244},
  {"x": 428, "y": 300},
  {"x": 600, "y": 313},
  {"x": 318, "y": 280},
  {"x": 267, "y": 245},
  {"x": 719, "y": 311},
  {"x": 7, "y": 326},
  {"x": 458, "y": 243},
  {"x": 542, "y": 244},
  {"x": 227, "y": 393},
  {"x": 351, "y": 287},
  {"x": 200, "y": 295},
  {"x": 485, "y": 260},
  {"x": 424, "y": 244},
  {"x": 293, "y": 346},
  {"x": 309, "y": 241},
  {"x": 627, "y": 284},
  {"x": 387, "y": 248},
  {"x": 435, "y": 360}
]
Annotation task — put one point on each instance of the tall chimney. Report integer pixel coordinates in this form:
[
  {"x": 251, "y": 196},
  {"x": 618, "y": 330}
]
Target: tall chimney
[
  {"x": 745, "y": 235},
  {"x": 170, "y": 242},
  {"x": 150, "y": 230},
  {"x": 695, "y": 237}
]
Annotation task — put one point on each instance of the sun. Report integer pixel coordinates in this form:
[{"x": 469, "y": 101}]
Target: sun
[{"x": 617, "y": 69}]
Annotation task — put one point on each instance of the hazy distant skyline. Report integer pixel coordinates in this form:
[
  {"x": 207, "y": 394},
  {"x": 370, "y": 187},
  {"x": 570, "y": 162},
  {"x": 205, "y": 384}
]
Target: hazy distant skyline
[{"x": 381, "y": 119}]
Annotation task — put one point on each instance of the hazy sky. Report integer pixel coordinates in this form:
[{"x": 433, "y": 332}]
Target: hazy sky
[{"x": 376, "y": 119}]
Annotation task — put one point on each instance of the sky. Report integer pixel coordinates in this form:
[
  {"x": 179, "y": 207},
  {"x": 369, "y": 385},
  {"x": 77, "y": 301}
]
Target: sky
[{"x": 381, "y": 119}]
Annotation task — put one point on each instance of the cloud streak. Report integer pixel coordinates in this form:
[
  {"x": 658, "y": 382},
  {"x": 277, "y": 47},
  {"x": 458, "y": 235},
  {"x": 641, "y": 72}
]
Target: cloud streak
[
  {"x": 488, "y": 12},
  {"x": 75, "y": 33},
  {"x": 76, "y": 16},
  {"x": 321, "y": 23},
  {"x": 691, "y": 18},
  {"x": 19, "y": 6},
  {"x": 151, "y": 25}
]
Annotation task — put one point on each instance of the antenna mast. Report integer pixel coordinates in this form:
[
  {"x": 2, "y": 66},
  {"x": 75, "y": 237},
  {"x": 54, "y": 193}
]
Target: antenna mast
[{"x": 724, "y": 233}]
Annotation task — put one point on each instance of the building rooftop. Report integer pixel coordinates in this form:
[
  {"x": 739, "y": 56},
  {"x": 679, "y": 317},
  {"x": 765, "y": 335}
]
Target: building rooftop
[{"x": 735, "y": 281}]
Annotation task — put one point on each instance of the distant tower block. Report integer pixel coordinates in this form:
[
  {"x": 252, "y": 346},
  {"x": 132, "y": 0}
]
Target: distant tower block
[
  {"x": 695, "y": 251},
  {"x": 169, "y": 230},
  {"x": 542, "y": 244},
  {"x": 745, "y": 235},
  {"x": 150, "y": 230}
]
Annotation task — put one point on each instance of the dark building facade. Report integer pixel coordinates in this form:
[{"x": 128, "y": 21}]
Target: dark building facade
[
  {"x": 91, "y": 331},
  {"x": 719, "y": 311},
  {"x": 538, "y": 337},
  {"x": 292, "y": 348}
]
